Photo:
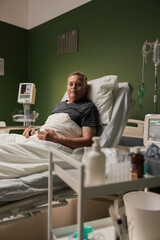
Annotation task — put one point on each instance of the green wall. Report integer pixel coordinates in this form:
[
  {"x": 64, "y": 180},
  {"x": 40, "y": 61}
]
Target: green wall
[
  {"x": 111, "y": 35},
  {"x": 14, "y": 50}
]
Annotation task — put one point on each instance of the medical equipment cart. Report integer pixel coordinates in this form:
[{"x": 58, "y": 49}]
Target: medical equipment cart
[{"x": 72, "y": 172}]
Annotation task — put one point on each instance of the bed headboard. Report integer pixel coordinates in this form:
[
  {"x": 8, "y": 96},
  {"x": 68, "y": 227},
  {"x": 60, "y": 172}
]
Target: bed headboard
[{"x": 122, "y": 107}]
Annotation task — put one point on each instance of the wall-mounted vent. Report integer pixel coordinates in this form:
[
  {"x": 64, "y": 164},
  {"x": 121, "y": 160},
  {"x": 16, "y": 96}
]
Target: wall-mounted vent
[{"x": 68, "y": 42}]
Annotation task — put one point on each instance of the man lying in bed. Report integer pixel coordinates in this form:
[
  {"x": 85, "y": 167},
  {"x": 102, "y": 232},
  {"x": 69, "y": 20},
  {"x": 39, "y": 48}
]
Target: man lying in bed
[{"x": 79, "y": 109}]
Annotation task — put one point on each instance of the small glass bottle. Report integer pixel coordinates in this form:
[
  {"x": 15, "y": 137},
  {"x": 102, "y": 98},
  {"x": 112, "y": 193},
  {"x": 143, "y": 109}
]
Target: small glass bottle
[{"x": 137, "y": 163}]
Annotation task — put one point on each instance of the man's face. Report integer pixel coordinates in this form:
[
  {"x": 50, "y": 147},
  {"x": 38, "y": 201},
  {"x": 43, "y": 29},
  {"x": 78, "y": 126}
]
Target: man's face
[{"x": 76, "y": 88}]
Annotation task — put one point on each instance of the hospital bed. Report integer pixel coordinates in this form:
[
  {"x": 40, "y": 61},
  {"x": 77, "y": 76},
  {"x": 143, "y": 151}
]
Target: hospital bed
[{"x": 27, "y": 196}]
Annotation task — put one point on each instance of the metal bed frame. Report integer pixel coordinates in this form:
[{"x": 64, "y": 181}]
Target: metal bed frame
[{"x": 26, "y": 208}]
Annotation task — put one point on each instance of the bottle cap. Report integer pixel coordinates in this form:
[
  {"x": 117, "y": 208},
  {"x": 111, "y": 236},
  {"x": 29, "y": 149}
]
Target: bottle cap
[{"x": 96, "y": 144}]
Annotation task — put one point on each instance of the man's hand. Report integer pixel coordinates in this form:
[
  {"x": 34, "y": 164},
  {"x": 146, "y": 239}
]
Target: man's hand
[
  {"x": 28, "y": 132},
  {"x": 85, "y": 140},
  {"x": 48, "y": 135}
]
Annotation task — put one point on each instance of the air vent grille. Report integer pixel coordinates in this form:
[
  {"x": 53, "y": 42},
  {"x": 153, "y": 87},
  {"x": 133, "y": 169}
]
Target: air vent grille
[{"x": 68, "y": 42}]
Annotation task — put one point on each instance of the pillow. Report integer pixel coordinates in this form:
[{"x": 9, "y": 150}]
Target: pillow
[{"x": 101, "y": 93}]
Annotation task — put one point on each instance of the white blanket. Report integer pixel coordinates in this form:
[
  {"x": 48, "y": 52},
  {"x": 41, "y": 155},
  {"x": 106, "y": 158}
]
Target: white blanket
[
  {"x": 62, "y": 125},
  {"x": 20, "y": 156}
]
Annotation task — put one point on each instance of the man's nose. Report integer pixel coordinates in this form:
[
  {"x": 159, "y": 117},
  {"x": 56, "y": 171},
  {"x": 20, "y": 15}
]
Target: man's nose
[{"x": 74, "y": 85}]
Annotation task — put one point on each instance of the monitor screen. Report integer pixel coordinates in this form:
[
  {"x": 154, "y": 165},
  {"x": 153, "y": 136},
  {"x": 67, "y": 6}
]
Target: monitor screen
[
  {"x": 26, "y": 88},
  {"x": 152, "y": 129}
]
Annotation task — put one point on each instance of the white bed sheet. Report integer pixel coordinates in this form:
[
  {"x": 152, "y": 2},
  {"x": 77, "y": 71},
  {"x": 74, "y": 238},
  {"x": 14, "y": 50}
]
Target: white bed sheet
[
  {"x": 21, "y": 159},
  {"x": 24, "y": 170},
  {"x": 20, "y": 156},
  {"x": 27, "y": 186}
]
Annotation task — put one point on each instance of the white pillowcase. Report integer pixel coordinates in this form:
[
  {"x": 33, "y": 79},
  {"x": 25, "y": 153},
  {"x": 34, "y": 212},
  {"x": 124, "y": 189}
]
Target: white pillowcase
[{"x": 101, "y": 93}]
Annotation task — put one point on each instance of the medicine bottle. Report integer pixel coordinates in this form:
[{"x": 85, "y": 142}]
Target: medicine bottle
[
  {"x": 95, "y": 165},
  {"x": 137, "y": 163}
]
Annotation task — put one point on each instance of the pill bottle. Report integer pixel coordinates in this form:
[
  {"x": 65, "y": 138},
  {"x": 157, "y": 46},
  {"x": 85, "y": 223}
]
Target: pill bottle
[
  {"x": 137, "y": 164},
  {"x": 95, "y": 165}
]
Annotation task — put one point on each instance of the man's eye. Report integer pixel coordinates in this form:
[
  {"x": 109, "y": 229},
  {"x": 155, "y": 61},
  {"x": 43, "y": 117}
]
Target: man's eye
[{"x": 77, "y": 84}]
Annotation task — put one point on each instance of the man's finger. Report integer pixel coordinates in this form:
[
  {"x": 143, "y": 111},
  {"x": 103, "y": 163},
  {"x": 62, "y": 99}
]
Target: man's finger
[{"x": 49, "y": 131}]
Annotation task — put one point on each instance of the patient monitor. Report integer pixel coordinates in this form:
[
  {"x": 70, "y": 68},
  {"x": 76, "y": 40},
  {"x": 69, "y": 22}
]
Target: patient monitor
[
  {"x": 152, "y": 129},
  {"x": 26, "y": 96},
  {"x": 27, "y": 92}
]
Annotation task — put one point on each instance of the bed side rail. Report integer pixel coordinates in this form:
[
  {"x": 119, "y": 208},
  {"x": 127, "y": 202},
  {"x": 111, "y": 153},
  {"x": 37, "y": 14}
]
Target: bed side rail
[
  {"x": 23, "y": 209},
  {"x": 133, "y": 133},
  {"x": 135, "y": 128}
]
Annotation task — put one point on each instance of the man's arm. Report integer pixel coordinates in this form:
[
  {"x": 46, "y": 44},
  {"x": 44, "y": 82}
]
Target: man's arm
[{"x": 85, "y": 140}]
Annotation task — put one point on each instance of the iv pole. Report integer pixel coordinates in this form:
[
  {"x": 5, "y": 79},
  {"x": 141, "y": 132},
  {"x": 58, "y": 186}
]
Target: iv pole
[
  {"x": 155, "y": 96},
  {"x": 155, "y": 48},
  {"x": 156, "y": 60}
]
